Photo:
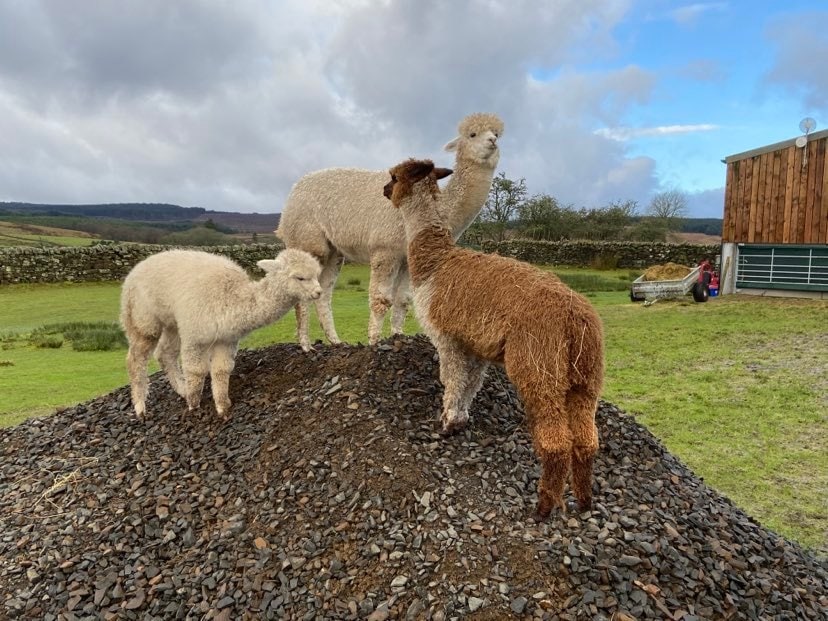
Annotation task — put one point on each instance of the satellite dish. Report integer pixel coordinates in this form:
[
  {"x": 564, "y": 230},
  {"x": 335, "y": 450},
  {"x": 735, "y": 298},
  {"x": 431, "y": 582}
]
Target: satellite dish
[{"x": 807, "y": 125}]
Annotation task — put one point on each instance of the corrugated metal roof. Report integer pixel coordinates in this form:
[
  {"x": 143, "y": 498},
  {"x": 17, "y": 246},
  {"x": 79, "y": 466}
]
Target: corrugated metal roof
[{"x": 773, "y": 147}]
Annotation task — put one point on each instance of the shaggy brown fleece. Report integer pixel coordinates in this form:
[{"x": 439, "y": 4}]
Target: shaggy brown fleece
[{"x": 500, "y": 310}]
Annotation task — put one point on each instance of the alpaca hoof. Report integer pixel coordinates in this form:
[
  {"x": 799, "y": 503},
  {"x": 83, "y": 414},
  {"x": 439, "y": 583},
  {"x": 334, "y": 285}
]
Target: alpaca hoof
[
  {"x": 224, "y": 411},
  {"x": 453, "y": 421},
  {"x": 546, "y": 506},
  {"x": 140, "y": 412},
  {"x": 451, "y": 428},
  {"x": 584, "y": 505}
]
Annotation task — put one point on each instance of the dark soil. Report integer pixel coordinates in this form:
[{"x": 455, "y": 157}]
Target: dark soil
[{"x": 330, "y": 495}]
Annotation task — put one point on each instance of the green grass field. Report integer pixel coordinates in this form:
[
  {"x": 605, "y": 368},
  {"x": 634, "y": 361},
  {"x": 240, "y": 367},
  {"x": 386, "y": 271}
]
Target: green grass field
[
  {"x": 15, "y": 234},
  {"x": 736, "y": 387}
]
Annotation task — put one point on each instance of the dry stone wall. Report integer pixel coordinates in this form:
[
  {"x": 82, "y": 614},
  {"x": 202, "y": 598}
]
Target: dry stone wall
[
  {"x": 104, "y": 262},
  {"x": 113, "y": 262},
  {"x": 585, "y": 253}
]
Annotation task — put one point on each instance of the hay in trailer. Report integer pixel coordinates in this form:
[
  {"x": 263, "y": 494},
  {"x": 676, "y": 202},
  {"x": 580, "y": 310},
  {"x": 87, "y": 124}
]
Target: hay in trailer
[{"x": 668, "y": 271}]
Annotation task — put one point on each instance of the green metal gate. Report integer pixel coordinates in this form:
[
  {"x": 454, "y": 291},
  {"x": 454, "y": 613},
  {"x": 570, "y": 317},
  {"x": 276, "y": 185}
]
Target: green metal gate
[{"x": 793, "y": 267}]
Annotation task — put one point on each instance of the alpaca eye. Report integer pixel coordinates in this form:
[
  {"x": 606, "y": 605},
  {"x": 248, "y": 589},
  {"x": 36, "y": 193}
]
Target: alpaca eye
[
  {"x": 394, "y": 178},
  {"x": 301, "y": 278},
  {"x": 472, "y": 135}
]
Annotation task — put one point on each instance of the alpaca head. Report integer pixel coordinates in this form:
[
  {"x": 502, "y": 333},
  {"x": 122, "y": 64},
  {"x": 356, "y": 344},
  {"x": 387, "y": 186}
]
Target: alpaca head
[
  {"x": 297, "y": 272},
  {"x": 477, "y": 139},
  {"x": 413, "y": 176}
]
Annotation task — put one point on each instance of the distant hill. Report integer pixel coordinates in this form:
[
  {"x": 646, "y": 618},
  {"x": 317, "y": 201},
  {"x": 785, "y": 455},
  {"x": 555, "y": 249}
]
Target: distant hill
[
  {"x": 137, "y": 212},
  {"x": 149, "y": 213},
  {"x": 242, "y": 222}
]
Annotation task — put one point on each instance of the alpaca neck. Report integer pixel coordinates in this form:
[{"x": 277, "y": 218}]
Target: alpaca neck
[
  {"x": 263, "y": 304},
  {"x": 464, "y": 195},
  {"x": 429, "y": 239}
]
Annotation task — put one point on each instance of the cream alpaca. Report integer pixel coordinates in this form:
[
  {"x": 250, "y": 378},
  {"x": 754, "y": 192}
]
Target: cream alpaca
[
  {"x": 200, "y": 305},
  {"x": 339, "y": 213},
  {"x": 479, "y": 308}
]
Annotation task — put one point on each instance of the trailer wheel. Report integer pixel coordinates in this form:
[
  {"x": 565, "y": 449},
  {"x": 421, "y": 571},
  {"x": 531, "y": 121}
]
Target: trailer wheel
[
  {"x": 701, "y": 292},
  {"x": 635, "y": 299}
]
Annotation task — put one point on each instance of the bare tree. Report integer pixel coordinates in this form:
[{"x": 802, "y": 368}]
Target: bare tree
[
  {"x": 668, "y": 207},
  {"x": 505, "y": 197}
]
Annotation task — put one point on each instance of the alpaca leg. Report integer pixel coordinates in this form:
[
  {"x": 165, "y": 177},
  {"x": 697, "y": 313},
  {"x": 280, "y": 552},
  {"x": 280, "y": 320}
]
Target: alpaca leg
[
  {"x": 475, "y": 372},
  {"x": 555, "y": 463},
  {"x": 302, "y": 329},
  {"x": 581, "y": 406},
  {"x": 537, "y": 382},
  {"x": 221, "y": 366},
  {"x": 454, "y": 364},
  {"x": 400, "y": 306},
  {"x": 383, "y": 271},
  {"x": 552, "y": 441},
  {"x": 140, "y": 348},
  {"x": 327, "y": 280},
  {"x": 167, "y": 352},
  {"x": 196, "y": 364}
]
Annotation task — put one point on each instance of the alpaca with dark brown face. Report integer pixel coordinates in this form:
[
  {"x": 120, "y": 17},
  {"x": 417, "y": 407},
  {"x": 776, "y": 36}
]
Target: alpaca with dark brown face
[{"x": 479, "y": 309}]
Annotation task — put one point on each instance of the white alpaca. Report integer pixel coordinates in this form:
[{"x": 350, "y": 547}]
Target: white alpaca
[
  {"x": 480, "y": 308},
  {"x": 200, "y": 305},
  {"x": 340, "y": 213}
]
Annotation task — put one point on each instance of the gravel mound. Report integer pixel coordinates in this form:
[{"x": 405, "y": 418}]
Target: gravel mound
[{"x": 330, "y": 495}]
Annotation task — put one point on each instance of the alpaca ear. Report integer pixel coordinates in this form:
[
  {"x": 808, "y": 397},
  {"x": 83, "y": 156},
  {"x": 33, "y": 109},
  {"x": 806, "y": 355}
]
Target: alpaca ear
[
  {"x": 268, "y": 265},
  {"x": 452, "y": 145},
  {"x": 420, "y": 170},
  {"x": 442, "y": 173}
]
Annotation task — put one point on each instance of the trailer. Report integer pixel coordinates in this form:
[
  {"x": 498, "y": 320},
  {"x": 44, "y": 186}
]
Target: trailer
[{"x": 698, "y": 281}]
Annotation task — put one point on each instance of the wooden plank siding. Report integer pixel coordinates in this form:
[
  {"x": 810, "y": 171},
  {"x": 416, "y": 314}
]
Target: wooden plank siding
[{"x": 772, "y": 198}]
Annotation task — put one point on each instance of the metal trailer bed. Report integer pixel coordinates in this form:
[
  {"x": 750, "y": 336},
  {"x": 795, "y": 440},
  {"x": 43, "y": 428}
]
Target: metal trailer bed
[{"x": 649, "y": 291}]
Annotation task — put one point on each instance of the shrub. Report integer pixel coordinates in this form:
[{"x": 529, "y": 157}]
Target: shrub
[
  {"x": 46, "y": 342},
  {"x": 590, "y": 283},
  {"x": 84, "y": 336}
]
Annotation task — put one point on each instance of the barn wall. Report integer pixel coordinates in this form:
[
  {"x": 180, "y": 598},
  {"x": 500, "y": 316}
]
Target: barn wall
[{"x": 772, "y": 198}]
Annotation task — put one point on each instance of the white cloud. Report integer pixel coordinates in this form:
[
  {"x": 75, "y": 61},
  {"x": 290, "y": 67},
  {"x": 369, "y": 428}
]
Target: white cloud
[
  {"x": 800, "y": 43},
  {"x": 622, "y": 134},
  {"x": 225, "y": 104},
  {"x": 706, "y": 203},
  {"x": 690, "y": 13}
]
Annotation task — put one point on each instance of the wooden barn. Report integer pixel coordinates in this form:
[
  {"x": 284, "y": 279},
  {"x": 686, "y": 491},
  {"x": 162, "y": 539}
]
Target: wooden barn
[{"x": 775, "y": 228}]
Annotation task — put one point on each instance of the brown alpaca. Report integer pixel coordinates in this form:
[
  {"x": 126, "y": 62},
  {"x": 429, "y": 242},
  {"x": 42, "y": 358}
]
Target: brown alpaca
[{"x": 478, "y": 308}]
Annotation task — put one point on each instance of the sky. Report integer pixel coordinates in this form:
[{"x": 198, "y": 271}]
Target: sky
[{"x": 224, "y": 104}]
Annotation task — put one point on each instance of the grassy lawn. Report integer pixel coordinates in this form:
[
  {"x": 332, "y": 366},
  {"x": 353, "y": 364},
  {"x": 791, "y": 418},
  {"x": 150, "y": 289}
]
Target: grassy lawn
[{"x": 737, "y": 387}]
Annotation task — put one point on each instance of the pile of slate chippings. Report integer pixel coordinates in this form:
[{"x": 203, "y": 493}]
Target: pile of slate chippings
[{"x": 330, "y": 495}]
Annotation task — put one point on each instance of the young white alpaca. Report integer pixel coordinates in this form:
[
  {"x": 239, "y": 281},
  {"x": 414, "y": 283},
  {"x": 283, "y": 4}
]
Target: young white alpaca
[
  {"x": 200, "y": 305},
  {"x": 339, "y": 213},
  {"x": 479, "y": 308}
]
